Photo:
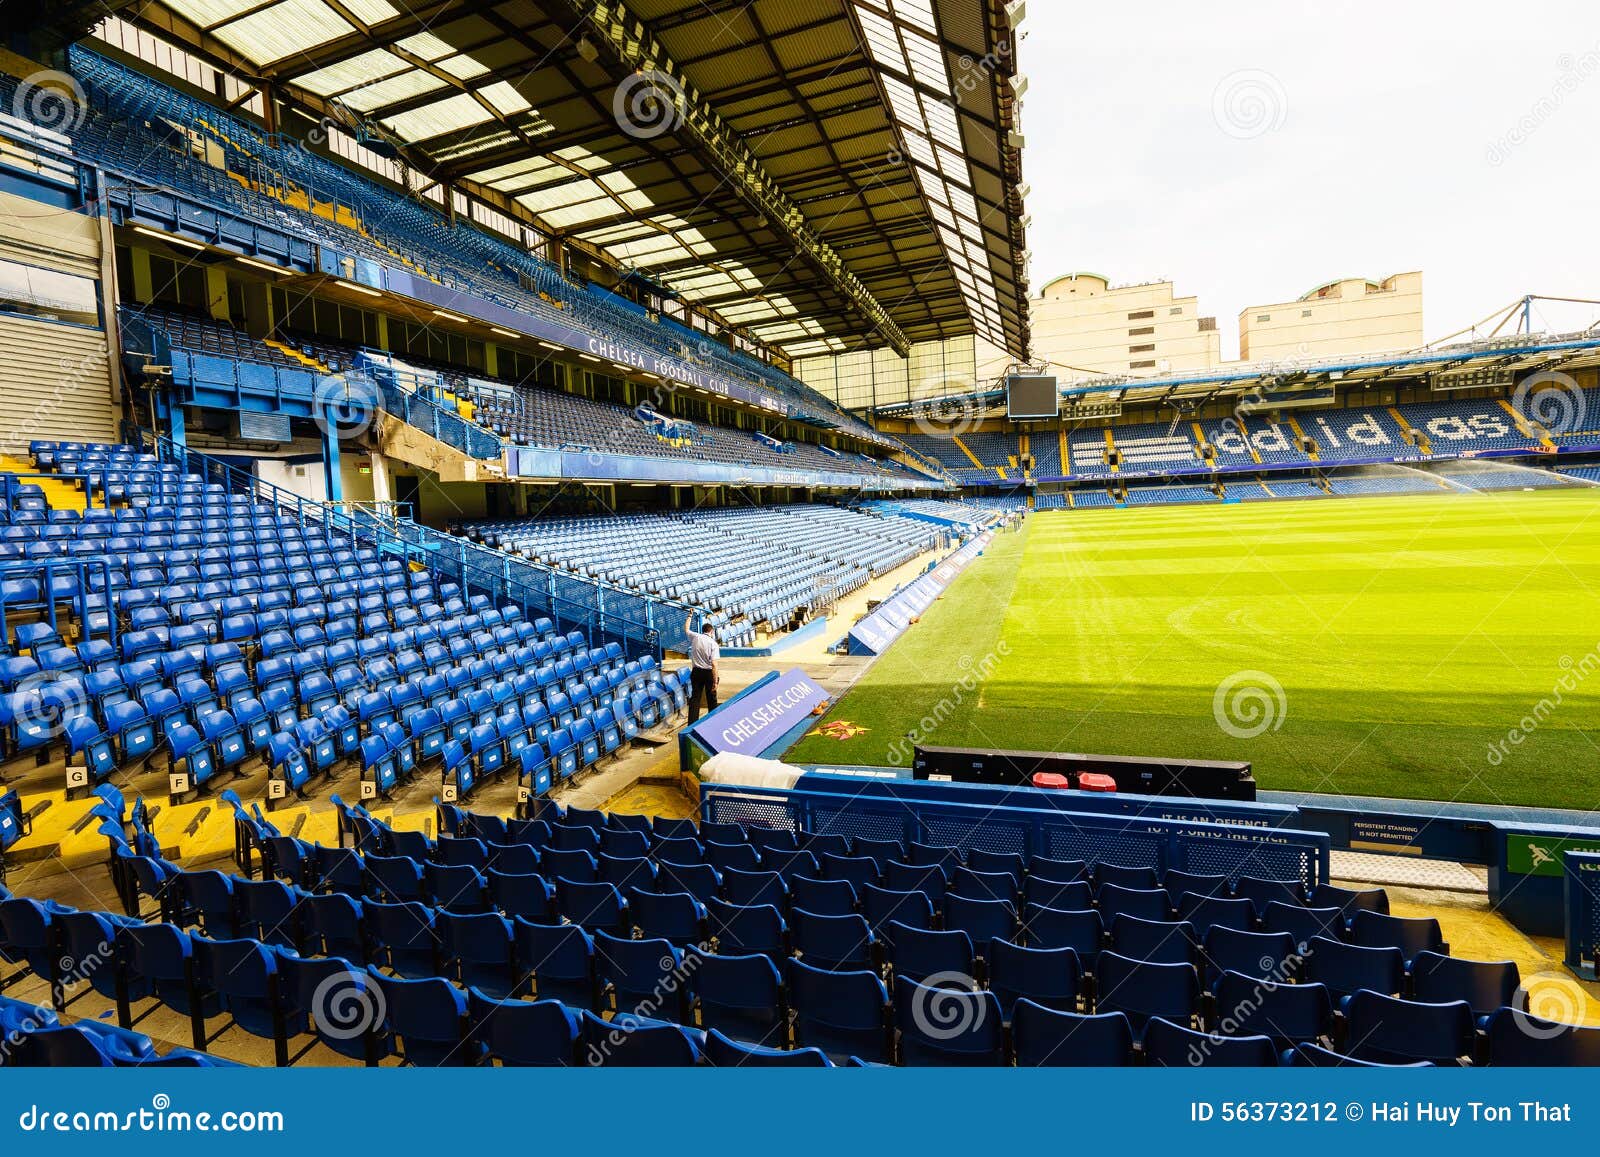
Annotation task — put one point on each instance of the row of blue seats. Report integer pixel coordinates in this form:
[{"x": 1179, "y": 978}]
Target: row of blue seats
[
  {"x": 34, "y": 1037},
  {"x": 277, "y": 992}
]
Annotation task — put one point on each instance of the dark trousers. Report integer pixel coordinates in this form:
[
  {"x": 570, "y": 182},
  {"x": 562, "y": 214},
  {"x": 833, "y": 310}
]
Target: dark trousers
[{"x": 701, "y": 682}]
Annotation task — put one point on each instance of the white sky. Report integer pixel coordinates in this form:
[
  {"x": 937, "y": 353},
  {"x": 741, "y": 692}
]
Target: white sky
[{"x": 1458, "y": 139}]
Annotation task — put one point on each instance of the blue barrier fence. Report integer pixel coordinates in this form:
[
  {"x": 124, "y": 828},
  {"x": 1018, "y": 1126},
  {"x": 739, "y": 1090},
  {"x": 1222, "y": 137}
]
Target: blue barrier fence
[
  {"x": 1225, "y": 849},
  {"x": 1581, "y": 871},
  {"x": 1101, "y": 803}
]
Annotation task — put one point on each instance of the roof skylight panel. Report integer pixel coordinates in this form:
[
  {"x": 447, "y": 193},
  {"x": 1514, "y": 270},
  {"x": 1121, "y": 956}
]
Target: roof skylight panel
[
  {"x": 942, "y": 122},
  {"x": 918, "y": 13},
  {"x": 882, "y": 42},
  {"x": 208, "y": 13},
  {"x": 367, "y": 68},
  {"x": 283, "y": 30},
  {"x": 449, "y": 115},
  {"x": 392, "y": 90}
]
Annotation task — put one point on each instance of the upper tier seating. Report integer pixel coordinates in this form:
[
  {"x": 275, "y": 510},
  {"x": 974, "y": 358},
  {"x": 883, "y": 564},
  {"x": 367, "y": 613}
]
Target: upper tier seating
[
  {"x": 745, "y": 567},
  {"x": 127, "y": 127}
]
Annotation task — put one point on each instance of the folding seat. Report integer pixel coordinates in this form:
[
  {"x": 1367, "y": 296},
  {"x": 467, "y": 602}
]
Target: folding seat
[
  {"x": 162, "y": 956},
  {"x": 1486, "y": 986},
  {"x": 823, "y": 897},
  {"x": 836, "y": 943},
  {"x": 564, "y": 752},
  {"x": 1515, "y": 1038},
  {"x": 428, "y": 1017},
  {"x": 403, "y": 937},
  {"x": 744, "y": 857},
  {"x": 340, "y": 999},
  {"x": 983, "y": 920},
  {"x": 673, "y": 829},
  {"x": 522, "y": 1034},
  {"x": 206, "y": 899},
  {"x": 1082, "y": 930},
  {"x": 1304, "y": 924},
  {"x": 244, "y": 975},
  {"x": 1263, "y": 955},
  {"x": 586, "y": 742},
  {"x": 1262, "y": 892},
  {"x": 573, "y": 864},
  {"x": 458, "y": 887},
  {"x": 1074, "y": 896},
  {"x": 559, "y": 958},
  {"x": 394, "y": 879},
  {"x": 1350, "y": 901},
  {"x": 1139, "y": 877},
  {"x": 596, "y": 906},
  {"x": 1167, "y": 1045},
  {"x": 456, "y": 719},
  {"x": 133, "y": 729},
  {"x": 1144, "y": 903},
  {"x": 756, "y": 928},
  {"x": 631, "y": 1041},
  {"x": 1154, "y": 941},
  {"x": 266, "y": 910},
  {"x": 1143, "y": 990},
  {"x": 1394, "y": 1031},
  {"x": 644, "y": 977},
  {"x": 701, "y": 881},
  {"x": 777, "y": 839},
  {"x": 845, "y": 1014},
  {"x": 929, "y": 879},
  {"x": 941, "y": 1026},
  {"x": 478, "y": 948},
  {"x": 675, "y": 917},
  {"x": 821, "y": 844},
  {"x": 225, "y": 738},
  {"x": 1289, "y": 1014},
  {"x": 1412, "y": 935},
  {"x": 725, "y": 1052},
  {"x": 1176, "y": 883},
  {"x": 90, "y": 748},
  {"x": 743, "y": 996},
  {"x": 1208, "y": 912},
  {"x": 976, "y": 885},
  {"x": 929, "y": 957}
]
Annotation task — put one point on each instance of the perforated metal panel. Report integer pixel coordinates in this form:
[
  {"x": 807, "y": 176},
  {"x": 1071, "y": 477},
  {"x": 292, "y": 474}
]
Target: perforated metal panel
[
  {"x": 995, "y": 834},
  {"x": 1073, "y": 843},
  {"x": 738, "y": 808},
  {"x": 1246, "y": 857},
  {"x": 836, "y": 816}
]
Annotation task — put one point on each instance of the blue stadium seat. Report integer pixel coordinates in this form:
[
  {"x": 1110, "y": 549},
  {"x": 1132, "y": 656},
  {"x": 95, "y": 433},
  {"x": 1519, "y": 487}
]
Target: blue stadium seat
[
  {"x": 522, "y": 1034},
  {"x": 1046, "y": 1037},
  {"x": 1167, "y": 1045},
  {"x": 946, "y": 1026},
  {"x": 1392, "y": 1030},
  {"x": 725, "y": 1052},
  {"x": 845, "y": 1014}
]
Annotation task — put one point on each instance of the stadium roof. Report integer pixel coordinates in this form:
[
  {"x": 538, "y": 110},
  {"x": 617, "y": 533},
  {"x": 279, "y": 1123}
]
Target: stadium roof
[{"x": 823, "y": 173}]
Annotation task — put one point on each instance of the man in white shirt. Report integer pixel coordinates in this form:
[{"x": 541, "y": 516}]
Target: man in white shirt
[{"x": 703, "y": 676}]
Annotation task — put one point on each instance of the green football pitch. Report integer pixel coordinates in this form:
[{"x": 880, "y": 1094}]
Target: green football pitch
[{"x": 1427, "y": 647}]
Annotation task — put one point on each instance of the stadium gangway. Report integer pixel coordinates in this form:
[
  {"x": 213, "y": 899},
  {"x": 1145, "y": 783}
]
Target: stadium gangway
[
  {"x": 474, "y": 567},
  {"x": 1187, "y": 845},
  {"x": 40, "y": 584}
]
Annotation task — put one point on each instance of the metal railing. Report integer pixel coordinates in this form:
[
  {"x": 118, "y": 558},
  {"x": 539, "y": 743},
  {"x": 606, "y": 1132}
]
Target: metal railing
[{"x": 50, "y": 577}]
